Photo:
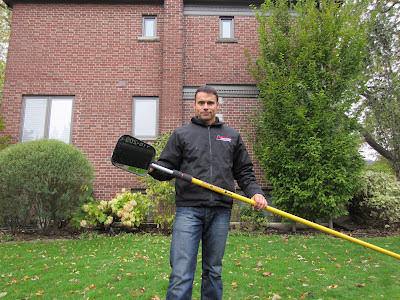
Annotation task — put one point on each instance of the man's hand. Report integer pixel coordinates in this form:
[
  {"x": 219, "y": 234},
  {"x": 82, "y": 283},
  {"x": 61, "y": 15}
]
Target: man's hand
[{"x": 260, "y": 202}]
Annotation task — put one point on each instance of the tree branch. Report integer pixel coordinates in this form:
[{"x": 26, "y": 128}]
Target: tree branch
[
  {"x": 391, "y": 5},
  {"x": 374, "y": 144}
]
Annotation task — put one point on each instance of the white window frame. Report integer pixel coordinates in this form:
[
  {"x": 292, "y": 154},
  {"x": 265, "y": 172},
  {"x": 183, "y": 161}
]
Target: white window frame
[
  {"x": 226, "y": 21},
  {"x": 145, "y": 112},
  {"x": 145, "y": 33},
  {"x": 48, "y": 121}
]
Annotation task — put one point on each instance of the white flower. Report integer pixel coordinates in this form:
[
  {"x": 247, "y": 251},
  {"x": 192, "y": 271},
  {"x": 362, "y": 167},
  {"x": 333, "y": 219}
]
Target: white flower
[
  {"x": 112, "y": 203},
  {"x": 125, "y": 215},
  {"x": 109, "y": 220},
  {"x": 83, "y": 223},
  {"x": 128, "y": 207},
  {"x": 85, "y": 208}
]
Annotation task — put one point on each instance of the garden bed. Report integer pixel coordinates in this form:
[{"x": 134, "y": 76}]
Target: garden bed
[{"x": 348, "y": 228}]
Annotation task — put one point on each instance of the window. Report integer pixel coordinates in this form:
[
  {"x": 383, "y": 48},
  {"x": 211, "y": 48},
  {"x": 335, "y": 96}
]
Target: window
[
  {"x": 47, "y": 117},
  {"x": 226, "y": 28},
  {"x": 149, "y": 27},
  {"x": 145, "y": 116}
]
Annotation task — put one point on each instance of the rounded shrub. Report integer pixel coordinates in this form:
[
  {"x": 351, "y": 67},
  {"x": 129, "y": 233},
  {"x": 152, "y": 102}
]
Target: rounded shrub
[{"x": 42, "y": 182}]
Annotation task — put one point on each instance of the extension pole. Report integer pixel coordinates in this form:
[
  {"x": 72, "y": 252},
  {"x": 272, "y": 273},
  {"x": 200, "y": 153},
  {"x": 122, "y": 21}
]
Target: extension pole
[{"x": 188, "y": 178}]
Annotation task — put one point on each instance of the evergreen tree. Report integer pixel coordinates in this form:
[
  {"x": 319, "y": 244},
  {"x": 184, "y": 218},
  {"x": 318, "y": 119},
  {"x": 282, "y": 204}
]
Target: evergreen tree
[{"x": 306, "y": 143}]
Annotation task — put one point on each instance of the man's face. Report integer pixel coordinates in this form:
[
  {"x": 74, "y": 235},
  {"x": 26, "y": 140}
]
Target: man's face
[{"x": 206, "y": 106}]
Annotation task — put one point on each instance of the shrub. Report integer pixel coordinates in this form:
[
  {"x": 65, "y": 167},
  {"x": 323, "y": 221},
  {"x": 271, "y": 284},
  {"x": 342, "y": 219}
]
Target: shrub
[
  {"x": 162, "y": 197},
  {"x": 378, "y": 202},
  {"x": 382, "y": 165},
  {"x": 42, "y": 182},
  {"x": 131, "y": 209},
  {"x": 161, "y": 194},
  {"x": 251, "y": 219}
]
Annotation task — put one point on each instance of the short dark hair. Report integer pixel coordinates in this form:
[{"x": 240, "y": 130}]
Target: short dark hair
[{"x": 206, "y": 89}]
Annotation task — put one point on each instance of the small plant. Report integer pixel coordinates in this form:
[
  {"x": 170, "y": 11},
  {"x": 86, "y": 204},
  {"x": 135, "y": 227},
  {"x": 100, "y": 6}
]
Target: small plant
[
  {"x": 89, "y": 235},
  {"x": 235, "y": 214},
  {"x": 131, "y": 209},
  {"x": 161, "y": 194},
  {"x": 252, "y": 220},
  {"x": 5, "y": 237}
]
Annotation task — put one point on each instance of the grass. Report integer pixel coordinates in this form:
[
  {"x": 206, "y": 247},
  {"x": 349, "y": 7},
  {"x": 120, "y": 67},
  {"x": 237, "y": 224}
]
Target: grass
[{"x": 255, "y": 267}]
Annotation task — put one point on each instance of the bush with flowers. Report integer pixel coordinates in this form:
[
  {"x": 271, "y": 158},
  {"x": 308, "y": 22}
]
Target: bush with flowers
[{"x": 131, "y": 209}]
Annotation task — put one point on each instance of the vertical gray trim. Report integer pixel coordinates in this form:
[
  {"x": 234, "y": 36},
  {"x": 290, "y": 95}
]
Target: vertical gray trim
[
  {"x": 72, "y": 119},
  {"x": 21, "y": 126},
  {"x": 47, "y": 119}
]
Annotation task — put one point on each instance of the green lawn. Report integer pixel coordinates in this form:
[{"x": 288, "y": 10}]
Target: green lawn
[{"x": 255, "y": 267}]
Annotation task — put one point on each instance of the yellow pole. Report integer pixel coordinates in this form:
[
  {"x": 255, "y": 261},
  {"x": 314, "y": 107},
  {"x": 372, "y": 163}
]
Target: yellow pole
[{"x": 293, "y": 217}]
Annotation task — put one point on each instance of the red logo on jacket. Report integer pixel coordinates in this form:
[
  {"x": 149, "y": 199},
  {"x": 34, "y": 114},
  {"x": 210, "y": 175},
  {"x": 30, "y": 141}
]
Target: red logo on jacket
[{"x": 224, "y": 138}]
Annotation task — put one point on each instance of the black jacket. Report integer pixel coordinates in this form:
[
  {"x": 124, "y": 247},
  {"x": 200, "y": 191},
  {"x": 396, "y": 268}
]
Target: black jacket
[{"x": 214, "y": 154}]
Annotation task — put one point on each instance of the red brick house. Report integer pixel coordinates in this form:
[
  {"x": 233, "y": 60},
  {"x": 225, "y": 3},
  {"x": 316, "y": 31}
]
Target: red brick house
[{"x": 87, "y": 72}]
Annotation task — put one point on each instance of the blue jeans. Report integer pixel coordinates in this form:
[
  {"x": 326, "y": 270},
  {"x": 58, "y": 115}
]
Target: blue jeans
[{"x": 192, "y": 224}]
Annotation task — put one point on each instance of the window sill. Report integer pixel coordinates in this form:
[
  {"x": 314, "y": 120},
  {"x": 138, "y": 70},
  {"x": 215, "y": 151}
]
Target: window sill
[
  {"x": 146, "y": 138},
  {"x": 227, "y": 40},
  {"x": 148, "y": 39}
]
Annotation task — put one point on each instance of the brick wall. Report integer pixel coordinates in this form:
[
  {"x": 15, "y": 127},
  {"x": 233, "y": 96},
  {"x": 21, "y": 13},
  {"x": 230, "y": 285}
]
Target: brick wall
[
  {"x": 92, "y": 52},
  {"x": 172, "y": 76},
  {"x": 86, "y": 51},
  {"x": 209, "y": 62}
]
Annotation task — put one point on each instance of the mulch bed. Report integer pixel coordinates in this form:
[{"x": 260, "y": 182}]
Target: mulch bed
[
  {"x": 35, "y": 235},
  {"x": 351, "y": 229}
]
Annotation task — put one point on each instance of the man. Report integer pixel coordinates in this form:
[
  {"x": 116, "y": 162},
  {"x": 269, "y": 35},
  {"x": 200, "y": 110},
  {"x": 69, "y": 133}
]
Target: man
[{"x": 211, "y": 151}]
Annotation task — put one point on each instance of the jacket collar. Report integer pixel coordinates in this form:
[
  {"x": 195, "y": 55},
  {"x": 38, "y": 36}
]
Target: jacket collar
[{"x": 197, "y": 121}]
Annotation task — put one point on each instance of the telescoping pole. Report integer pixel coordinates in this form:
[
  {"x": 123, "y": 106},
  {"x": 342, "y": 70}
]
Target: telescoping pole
[{"x": 188, "y": 178}]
